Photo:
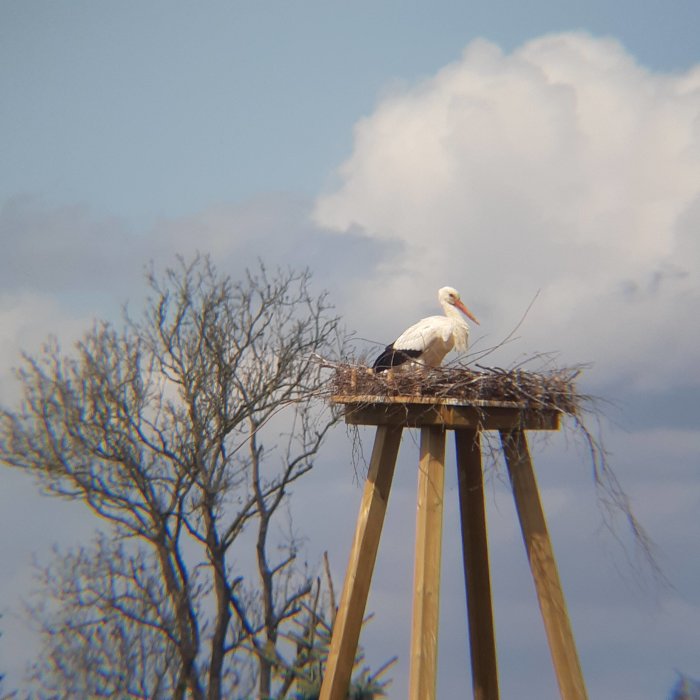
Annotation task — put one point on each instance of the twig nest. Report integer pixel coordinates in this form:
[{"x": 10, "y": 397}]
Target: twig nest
[{"x": 553, "y": 390}]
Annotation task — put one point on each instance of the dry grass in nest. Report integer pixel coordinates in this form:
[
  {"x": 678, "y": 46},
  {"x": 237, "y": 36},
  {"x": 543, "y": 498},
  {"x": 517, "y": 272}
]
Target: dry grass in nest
[{"x": 551, "y": 390}]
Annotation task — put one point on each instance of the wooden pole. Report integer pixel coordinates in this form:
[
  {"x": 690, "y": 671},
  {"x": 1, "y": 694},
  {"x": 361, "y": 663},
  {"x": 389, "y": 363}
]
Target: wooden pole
[
  {"x": 543, "y": 566},
  {"x": 482, "y": 640},
  {"x": 348, "y": 622},
  {"x": 426, "y": 591}
]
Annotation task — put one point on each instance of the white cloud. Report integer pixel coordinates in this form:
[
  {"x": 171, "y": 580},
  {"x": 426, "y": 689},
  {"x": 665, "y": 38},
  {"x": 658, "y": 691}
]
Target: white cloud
[{"x": 564, "y": 166}]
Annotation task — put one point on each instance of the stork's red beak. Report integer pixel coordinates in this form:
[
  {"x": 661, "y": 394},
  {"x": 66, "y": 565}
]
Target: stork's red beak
[{"x": 466, "y": 311}]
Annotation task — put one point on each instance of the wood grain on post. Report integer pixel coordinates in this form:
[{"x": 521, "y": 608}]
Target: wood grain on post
[
  {"x": 348, "y": 622},
  {"x": 543, "y": 566},
  {"x": 426, "y": 591},
  {"x": 482, "y": 639}
]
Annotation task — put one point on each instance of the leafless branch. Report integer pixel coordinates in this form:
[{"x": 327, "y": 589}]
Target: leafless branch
[{"x": 183, "y": 431}]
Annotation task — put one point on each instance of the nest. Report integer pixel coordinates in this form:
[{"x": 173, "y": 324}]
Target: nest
[
  {"x": 548, "y": 390},
  {"x": 551, "y": 390}
]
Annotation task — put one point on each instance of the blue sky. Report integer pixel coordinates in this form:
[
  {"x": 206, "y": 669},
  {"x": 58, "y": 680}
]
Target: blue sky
[{"x": 504, "y": 148}]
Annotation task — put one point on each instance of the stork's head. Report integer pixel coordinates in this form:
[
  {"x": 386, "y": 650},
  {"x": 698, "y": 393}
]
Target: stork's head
[{"x": 449, "y": 296}]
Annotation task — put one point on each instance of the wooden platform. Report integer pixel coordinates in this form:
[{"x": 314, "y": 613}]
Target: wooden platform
[
  {"x": 451, "y": 414},
  {"x": 434, "y": 417}
]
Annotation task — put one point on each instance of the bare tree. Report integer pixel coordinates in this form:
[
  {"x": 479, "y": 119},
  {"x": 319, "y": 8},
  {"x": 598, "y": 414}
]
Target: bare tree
[
  {"x": 103, "y": 615},
  {"x": 184, "y": 431}
]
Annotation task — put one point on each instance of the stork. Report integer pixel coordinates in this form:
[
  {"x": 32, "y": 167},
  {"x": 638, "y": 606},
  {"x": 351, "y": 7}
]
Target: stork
[{"x": 427, "y": 342}]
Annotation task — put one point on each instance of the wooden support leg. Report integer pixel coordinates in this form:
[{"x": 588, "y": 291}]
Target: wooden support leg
[
  {"x": 348, "y": 622},
  {"x": 543, "y": 566},
  {"x": 482, "y": 641},
  {"x": 426, "y": 592}
]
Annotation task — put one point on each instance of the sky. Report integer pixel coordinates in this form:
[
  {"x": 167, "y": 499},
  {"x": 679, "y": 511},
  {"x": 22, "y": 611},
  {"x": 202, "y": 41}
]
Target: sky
[{"x": 543, "y": 153}]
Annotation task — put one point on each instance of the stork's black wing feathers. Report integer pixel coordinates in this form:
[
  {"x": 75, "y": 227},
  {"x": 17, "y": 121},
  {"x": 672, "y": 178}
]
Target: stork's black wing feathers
[{"x": 392, "y": 358}]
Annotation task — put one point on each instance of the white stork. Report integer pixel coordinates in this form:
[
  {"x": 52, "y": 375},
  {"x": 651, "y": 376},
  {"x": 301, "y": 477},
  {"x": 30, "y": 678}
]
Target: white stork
[{"x": 427, "y": 342}]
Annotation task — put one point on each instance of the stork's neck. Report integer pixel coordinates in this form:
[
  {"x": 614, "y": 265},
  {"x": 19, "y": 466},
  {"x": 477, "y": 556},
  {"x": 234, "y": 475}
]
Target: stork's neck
[{"x": 453, "y": 313}]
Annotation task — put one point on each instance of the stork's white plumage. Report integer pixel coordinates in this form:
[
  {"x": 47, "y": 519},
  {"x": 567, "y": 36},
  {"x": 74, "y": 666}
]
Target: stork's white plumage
[{"x": 427, "y": 342}]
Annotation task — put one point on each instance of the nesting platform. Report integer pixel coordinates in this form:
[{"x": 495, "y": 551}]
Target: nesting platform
[{"x": 434, "y": 415}]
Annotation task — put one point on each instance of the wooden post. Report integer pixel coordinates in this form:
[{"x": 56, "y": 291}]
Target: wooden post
[
  {"x": 426, "y": 591},
  {"x": 482, "y": 640},
  {"x": 543, "y": 566},
  {"x": 348, "y": 623}
]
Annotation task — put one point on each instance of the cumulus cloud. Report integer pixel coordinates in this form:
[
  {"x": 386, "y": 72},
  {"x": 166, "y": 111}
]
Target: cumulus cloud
[{"x": 564, "y": 167}]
